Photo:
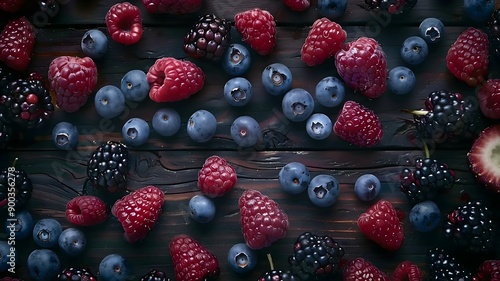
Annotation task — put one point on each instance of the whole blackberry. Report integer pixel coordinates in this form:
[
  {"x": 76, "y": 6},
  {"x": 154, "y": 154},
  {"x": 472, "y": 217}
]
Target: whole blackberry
[
  {"x": 493, "y": 30},
  {"x": 278, "y": 275},
  {"x": 5, "y": 132},
  {"x": 391, "y": 6},
  {"x": 7, "y": 75},
  {"x": 444, "y": 267},
  {"x": 426, "y": 181},
  {"x": 208, "y": 37},
  {"x": 108, "y": 166},
  {"x": 448, "y": 116},
  {"x": 315, "y": 257},
  {"x": 15, "y": 181},
  {"x": 76, "y": 274},
  {"x": 155, "y": 275},
  {"x": 471, "y": 228}
]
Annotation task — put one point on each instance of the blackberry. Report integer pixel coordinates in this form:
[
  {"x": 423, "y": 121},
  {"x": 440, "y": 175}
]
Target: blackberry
[
  {"x": 7, "y": 75},
  {"x": 429, "y": 179},
  {"x": 493, "y": 30},
  {"x": 108, "y": 166},
  {"x": 5, "y": 132},
  {"x": 315, "y": 257},
  {"x": 76, "y": 274},
  {"x": 15, "y": 181},
  {"x": 471, "y": 228},
  {"x": 155, "y": 275},
  {"x": 444, "y": 267},
  {"x": 391, "y": 6},
  {"x": 208, "y": 37},
  {"x": 278, "y": 275}
]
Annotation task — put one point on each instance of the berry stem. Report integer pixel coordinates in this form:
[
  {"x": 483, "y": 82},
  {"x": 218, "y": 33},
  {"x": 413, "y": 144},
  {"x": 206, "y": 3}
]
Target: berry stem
[
  {"x": 270, "y": 259},
  {"x": 426, "y": 150},
  {"x": 14, "y": 162}
]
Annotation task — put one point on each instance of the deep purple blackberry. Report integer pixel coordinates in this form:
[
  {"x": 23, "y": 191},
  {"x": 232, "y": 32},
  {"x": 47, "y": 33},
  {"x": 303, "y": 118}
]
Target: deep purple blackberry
[
  {"x": 7, "y": 75},
  {"x": 108, "y": 166},
  {"x": 315, "y": 257},
  {"x": 493, "y": 30},
  {"x": 5, "y": 132},
  {"x": 391, "y": 6},
  {"x": 278, "y": 275},
  {"x": 21, "y": 185},
  {"x": 471, "y": 228},
  {"x": 76, "y": 274},
  {"x": 444, "y": 267},
  {"x": 208, "y": 37},
  {"x": 155, "y": 275}
]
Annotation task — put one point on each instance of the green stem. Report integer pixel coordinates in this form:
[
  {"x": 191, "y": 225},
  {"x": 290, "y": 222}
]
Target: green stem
[
  {"x": 426, "y": 150},
  {"x": 270, "y": 259},
  {"x": 14, "y": 162}
]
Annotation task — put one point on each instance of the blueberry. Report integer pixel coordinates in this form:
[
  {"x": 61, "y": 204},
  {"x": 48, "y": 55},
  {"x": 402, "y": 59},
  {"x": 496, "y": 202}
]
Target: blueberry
[
  {"x": 65, "y": 136},
  {"x": 201, "y": 208},
  {"x": 297, "y": 104},
  {"x": 94, "y": 43},
  {"x": 401, "y": 80},
  {"x": 166, "y": 122},
  {"x": 43, "y": 265},
  {"x": 479, "y": 10},
  {"x": 319, "y": 126},
  {"x": 134, "y": 85},
  {"x": 323, "y": 190},
  {"x": 431, "y": 30},
  {"x": 238, "y": 91},
  {"x": 241, "y": 258},
  {"x": 294, "y": 178},
  {"x": 277, "y": 79},
  {"x": 201, "y": 126},
  {"x": 109, "y": 101},
  {"x": 46, "y": 232},
  {"x": 414, "y": 50},
  {"x": 332, "y": 9},
  {"x": 135, "y": 132},
  {"x": 330, "y": 91},
  {"x": 245, "y": 131},
  {"x": 21, "y": 224},
  {"x": 236, "y": 60},
  {"x": 114, "y": 267},
  {"x": 367, "y": 187},
  {"x": 72, "y": 241},
  {"x": 5, "y": 254},
  {"x": 425, "y": 216}
]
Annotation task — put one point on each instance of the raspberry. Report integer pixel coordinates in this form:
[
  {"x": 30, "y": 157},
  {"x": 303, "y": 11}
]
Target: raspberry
[
  {"x": 323, "y": 41},
  {"x": 192, "y": 261},
  {"x": 16, "y": 43},
  {"x": 11, "y": 6},
  {"x": 297, "y": 5},
  {"x": 138, "y": 212},
  {"x": 73, "y": 79},
  {"x": 208, "y": 37},
  {"x": 174, "y": 80},
  {"x": 359, "y": 269},
  {"x": 108, "y": 166},
  {"x": 172, "y": 6},
  {"x": 262, "y": 220},
  {"x": 407, "y": 271},
  {"x": 86, "y": 210},
  {"x": 467, "y": 57},
  {"x": 124, "y": 23},
  {"x": 489, "y": 270},
  {"x": 258, "y": 29},
  {"x": 216, "y": 177},
  {"x": 358, "y": 125},
  {"x": 363, "y": 66},
  {"x": 489, "y": 98}
]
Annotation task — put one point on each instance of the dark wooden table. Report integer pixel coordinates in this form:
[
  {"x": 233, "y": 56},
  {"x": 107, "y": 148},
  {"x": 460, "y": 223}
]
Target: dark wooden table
[{"x": 172, "y": 163}]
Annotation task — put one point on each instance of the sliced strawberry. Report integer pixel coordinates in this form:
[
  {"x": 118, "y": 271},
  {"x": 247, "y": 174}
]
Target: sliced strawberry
[
  {"x": 16, "y": 43},
  {"x": 484, "y": 160}
]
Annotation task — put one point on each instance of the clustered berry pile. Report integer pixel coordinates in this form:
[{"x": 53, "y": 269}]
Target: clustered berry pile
[{"x": 27, "y": 104}]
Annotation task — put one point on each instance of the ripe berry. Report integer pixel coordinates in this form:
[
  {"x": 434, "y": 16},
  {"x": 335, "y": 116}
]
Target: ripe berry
[
  {"x": 166, "y": 122},
  {"x": 277, "y": 79},
  {"x": 109, "y": 101},
  {"x": 23, "y": 187},
  {"x": 16, "y": 42},
  {"x": 443, "y": 266},
  {"x": 414, "y": 50},
  {"x": 86, "y": 210},
  {"x": 201, "y": 126},
  {"x": 407, "y": 271},
  {"x": 358, "y": 125},
  {"x": 114, "y": 267},
  {"x": 201, "y": 208},
  {"x": 319, "y": 126},
  {"x": 72, "y": 273},
  {"x": 431, "y": 30},
  {"x": 134, "y": 85},
  {"x": 46, "y": 232},
  {"x": 208, "y": 37},
  {"x": 216, "y": 177},
  {"x": 276, "y": 274},
  {"x": 323, "y": 190},
  {"x": 72, "y": 242},
  {"x": 245, "y": 131},
  {"x": 108, "y": 166},
  {"x": 258, "y": 29},
  {"x": 241, "y": 258},
  {"x": 401, "y": 80},
  {"x": 22, "y": 226},
  {"x": 297, "y": 105},
  {"x": 65, "y": 136},
  {"x": 43, "y": 264},
  {"x": 236, "y": 60},
  {"x": 297, "y": 5},
  {"x": 479, "y": 10},
  {"x": 124, "y": 23},
  {"x": 425, "y": 216},
  {"x": 176, "y": 7},
  {"x": 332, "y": 9},
  {"x": 4, "y": 259},
  {"x": 330, "y": 91},
  {"x": 135, "y": 131},
  {"x": 94, "y": 43},
  {"x": 323, "y": 41},
  {"x": 155, "y": 275},
  {"x": 294, "y": 178},
  {"x": 493, "y": 30},
  {"x": 238, "y": 91},
  {"x": 367, "y": 187},
  {"x": 359, "y": 269}
]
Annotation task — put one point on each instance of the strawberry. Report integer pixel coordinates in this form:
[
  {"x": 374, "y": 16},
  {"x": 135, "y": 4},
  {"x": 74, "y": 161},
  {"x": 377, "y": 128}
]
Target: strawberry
[
  {"x": 297, "y": 5},
  {"x": 358, "y": 125},
  {"x": 216, "y": 177},
  {"x": 467, "y": 58},
  {"x": 86, "y": 210},
  {"x": 192, "y": 261},
  {"x": 16, "y": 43},
  {"x": 482, "y": 158},
  {"x": 124, "y": 23},
  {"x": 172, "y": 6},
  {"x": 359, "y": 269},
  {"x": 262, "y": 220},
  {"x": 407, "y": 271},
  {"x": 11, "y": 6},
  {"x": 489, "y": 270},
  {"x": 258, "y": 29},
  {"x": 172, "y": 80},
  {"x": 489, "y": 98},
  {"x": 138, "y": 212},
  {"x": 323, "y": 41},
  {"x": 380, "y": 223}
]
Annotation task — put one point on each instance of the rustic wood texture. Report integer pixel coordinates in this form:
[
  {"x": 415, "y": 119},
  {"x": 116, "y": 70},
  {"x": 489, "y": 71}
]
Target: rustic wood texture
[{"x": 172, "y": 163}]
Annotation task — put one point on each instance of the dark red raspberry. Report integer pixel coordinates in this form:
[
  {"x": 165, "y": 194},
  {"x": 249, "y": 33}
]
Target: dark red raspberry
[
  {"x": 358, "y": 125},
  {"x": 359, "y": 269},
  {"x": 297, "y": 5},
  {"x": 407, "y": 271},
  {"x": 323, "y": 41},
  {"x": 172, "y": 6},
  {"x": 86, "y": 210},
  {"x": 488, "y": 271},
  {"x": 216, "y": 177},
  {"x": 124, "y": 23},
  {"x": 489, "y": 98},
  {"x": 258, "y": 29},
  {"x": 16, "y": 43}
]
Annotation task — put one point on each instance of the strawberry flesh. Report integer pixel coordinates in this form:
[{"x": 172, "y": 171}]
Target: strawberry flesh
[{"x": 484, "y": 159}]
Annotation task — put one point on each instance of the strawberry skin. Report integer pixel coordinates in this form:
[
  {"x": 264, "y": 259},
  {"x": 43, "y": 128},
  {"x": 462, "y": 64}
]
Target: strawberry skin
[
  {"x": 380, "y": 223},
  {"x": 359, "y": 269},
  {"x": 86, "y": 210},
  {"x": 16, "y": 43},
  {"x": 489, "y": 98},
  {"x": 138, "y": 212},
  {"x": 483, "y": 158}
]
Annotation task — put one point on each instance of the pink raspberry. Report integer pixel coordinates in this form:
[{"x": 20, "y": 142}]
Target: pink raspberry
[
  {"x": 358, "y": 125},
  {"x": 258, "y": 29},
  {"x": 323, "y": 41},
  {"x": 216, "y": 177}
]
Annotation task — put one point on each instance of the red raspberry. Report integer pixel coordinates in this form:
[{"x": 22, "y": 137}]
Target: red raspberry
[
  {"x": 381, "y": 224},
  {"x": 216, "y": 177},
  {"x": 172, "y": 80},
  {"x": 86, "y": 211},
  {"x": 323, "y": 41},
  {"x": 172, "y": 6},
  {"x": 16, "y": 43},
  {"x": 11, "y": 6},
  {"x": 262, "y": 220},
  {"x": 489, "y": 98},
  {"x": 467, "y": 57},
  {"x": 192, "y": 261},
  {"x": 73, "y": 79},
  {"x": 297, "y": 5},
  {"x": 363, "y": 66},
  {"x": 358, "y": 125},
  {"x": 359, "y": 269},
  {"x": 258, "y": 29},
  {"x": 124, "y": 23},
  {"x": 488, "y": 271},
  {"x": 407, "y": 271},
  {"x": 138, "y": 212}
]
